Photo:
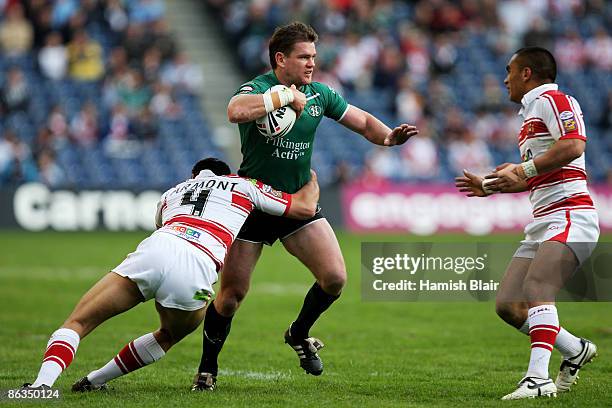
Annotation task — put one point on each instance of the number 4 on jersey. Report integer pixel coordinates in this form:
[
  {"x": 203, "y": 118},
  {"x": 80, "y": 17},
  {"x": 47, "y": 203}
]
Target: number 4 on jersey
[{"x": 198, "y": 200}]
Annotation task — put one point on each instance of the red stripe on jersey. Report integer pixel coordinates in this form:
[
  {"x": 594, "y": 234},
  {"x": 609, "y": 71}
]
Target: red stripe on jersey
[
  {"x": 562, "y": 237},
  {"x": 218, "y": 263},
  {"x": 213, "y": 228},
  {"x": 556, "y": 113},
  {"x": 556, "y": 183},
  {"x": 562, "y": 104},
  {"x": 242, "y": 202},
  {"x": 582, "y": 200},
  {"x": 573, "y": 136},
  {"x": 289, "y": 200},
  {"x": 557, "y": 175}
]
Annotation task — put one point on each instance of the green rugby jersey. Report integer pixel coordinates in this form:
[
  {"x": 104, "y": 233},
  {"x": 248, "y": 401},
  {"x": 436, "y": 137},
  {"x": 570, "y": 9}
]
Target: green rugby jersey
[{"x": 284, "y": 163}]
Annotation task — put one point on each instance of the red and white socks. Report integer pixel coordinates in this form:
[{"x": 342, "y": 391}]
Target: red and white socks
[
  {"x": 567, "y": 344},
  {"x": 61, "y": 348},
  {"x": 543, "y": 330},
  {"x": 136, "y": 354}
]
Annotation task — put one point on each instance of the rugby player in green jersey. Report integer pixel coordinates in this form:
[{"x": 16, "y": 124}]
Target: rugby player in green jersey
[{"x": 284, "y": 164}]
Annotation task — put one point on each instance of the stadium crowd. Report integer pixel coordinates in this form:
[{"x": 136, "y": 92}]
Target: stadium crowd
[
  {"x": 87, "y": 88},
  {"x": 438, "y": 64},
  {"x": 97, "y": 93}
]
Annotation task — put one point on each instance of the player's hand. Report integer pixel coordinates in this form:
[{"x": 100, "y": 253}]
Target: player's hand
[
  {"x": 506, "y": 177},
  {"x": 400, "y": 134},
  {"x": 299, "y": 101},
  {"x": 471, "y": 184}
]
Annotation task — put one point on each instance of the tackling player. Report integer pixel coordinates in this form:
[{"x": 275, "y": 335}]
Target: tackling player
[
  {"x": 177, "y": 265},
  {"x": 565, "y": 228},
  {"x": 284, "y": 163}
]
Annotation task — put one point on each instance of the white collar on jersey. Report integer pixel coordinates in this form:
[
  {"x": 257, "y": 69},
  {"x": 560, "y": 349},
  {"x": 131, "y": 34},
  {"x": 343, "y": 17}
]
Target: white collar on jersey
[
  {"x": 205, "y": 173},
  {"x": 534, "y": 93}
]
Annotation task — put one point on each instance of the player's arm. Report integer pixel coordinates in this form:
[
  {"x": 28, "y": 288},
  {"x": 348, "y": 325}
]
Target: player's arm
[
  {"x": 304, "y": 201},
  {"x": 514, "y": 176},
  {"x": 374, "y": 130},
  {"x": 301, "y": 204},
  {"x": 249, "y": 107}
]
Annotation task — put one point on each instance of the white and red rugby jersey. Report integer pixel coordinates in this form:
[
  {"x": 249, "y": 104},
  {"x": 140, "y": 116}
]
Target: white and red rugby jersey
[
  {"x": 209, "y": 210},
  {"x": 550, "y": 115}
]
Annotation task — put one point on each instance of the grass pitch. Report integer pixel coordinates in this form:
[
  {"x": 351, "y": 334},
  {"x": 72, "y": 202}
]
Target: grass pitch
[{"x": 377, "y": 354}]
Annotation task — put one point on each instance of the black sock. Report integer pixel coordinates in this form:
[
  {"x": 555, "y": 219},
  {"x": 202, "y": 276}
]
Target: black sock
[
  {"x": 315, "y": 303},
  {"x": 215, "y": 331}
]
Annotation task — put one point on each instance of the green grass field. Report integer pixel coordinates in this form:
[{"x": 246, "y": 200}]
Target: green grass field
[{"x": 377, "y": 354}]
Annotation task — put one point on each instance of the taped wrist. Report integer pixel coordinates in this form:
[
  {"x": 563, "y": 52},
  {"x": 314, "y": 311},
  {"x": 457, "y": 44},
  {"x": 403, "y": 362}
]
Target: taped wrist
[
  {"x": 485, "y": 186},
  {"x": 277, "y": 99},
  {"x": 529, "y": 169}
]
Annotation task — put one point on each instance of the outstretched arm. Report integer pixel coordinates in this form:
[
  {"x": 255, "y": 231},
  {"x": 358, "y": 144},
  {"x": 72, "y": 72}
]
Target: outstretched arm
[
  {"x": 513, "y": 177},
  {"x": 374, "y": 130}
]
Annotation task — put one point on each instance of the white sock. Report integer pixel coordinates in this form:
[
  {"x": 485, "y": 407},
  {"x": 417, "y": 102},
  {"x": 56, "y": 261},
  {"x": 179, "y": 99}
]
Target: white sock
[
  {"x": 61, "y": 348},
  {"x": 543, "y": 329},
  {"x": 567, "y": 344},
  {"x": 136, "y": 354}
]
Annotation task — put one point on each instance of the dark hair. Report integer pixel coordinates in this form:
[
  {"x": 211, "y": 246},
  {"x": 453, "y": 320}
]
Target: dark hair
[
  {"x": 285, "y": 37},
  {"x": 220, "y": 168},
  {"x": 540, "y": 60}
]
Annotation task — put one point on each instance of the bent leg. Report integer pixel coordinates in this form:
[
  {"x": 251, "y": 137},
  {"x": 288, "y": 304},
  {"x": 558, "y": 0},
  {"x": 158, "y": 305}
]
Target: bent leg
[
  {"x": 317, "y": 248},
  {"x": 147, "y": 349},
  {"x": 111, "y": 295},
  {"x": 235, "y": 282},
  {"x": 510, "y": 303}
]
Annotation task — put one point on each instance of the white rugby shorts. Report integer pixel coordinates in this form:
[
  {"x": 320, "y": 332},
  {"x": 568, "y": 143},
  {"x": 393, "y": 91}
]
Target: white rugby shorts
[
  {"x": 578, "y": 229},
  {"x": 171, "y": 270}
]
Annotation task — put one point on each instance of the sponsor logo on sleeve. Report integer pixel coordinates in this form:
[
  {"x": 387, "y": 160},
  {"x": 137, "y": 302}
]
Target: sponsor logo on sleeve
[
  {"x": 568, "y": 120},
  {"x": 246, "y": 88}
]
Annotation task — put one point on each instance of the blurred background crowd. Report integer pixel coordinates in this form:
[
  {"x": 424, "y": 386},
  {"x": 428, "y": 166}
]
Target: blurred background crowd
[{"x": 97, "y": 92}]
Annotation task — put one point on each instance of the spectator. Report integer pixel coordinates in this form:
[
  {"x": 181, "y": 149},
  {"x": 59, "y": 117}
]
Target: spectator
[
  {"x": 599, "y": 50},
  {"x": 420, "y": 157},
  {"x": 58, "y": 126},
  {"x": 15, "y": 94},
  {"x": 468, "y": 152},
  {"x": 53, "y": 57},
  {"x": 570, "y": 51},
  {"x": 133, "y": 92},
  {"x": 163, "y": 103},
  {"x": 146, "y": 11},
  {"x": 85, "y": 58},
  {"x": 409, "y": 103},
  {"x": 145, "y": 126},
  {"x": 50, "y": 172},
  {"x": 84, "y": 126},
  {"x": 182, "y": 74},
  {"x": 16, "y": 33},
  {"x": 63, "y": 10}
]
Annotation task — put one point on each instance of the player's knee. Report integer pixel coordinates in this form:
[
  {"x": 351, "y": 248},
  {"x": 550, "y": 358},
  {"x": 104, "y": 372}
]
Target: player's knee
[
  {"x": 164, "y": 338},
  {"x": 82, "y": 326},
  {"x": 536, "y": 289},
  {"x": 333, "y": 283},
  {"x": 510, "y": 312},
  {"x": 228, "y": 302}
]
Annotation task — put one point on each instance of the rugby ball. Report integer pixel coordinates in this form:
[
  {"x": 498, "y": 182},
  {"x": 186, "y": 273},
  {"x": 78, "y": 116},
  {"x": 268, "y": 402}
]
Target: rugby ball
[{"x": 278, "y": 123}]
